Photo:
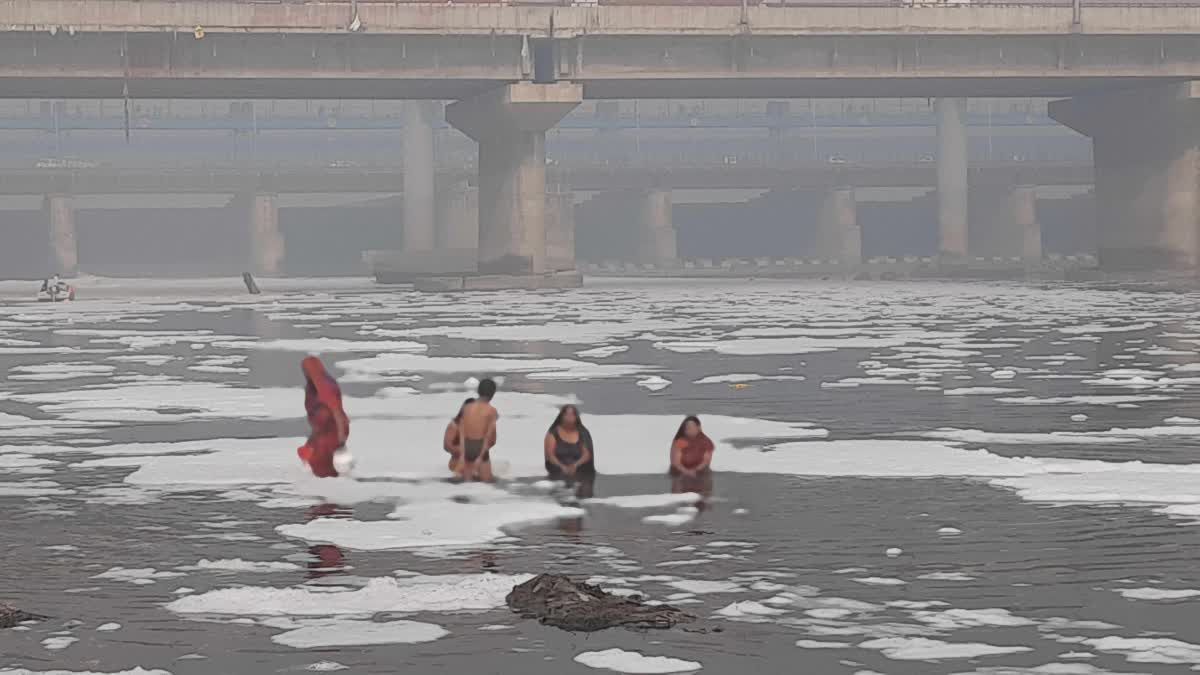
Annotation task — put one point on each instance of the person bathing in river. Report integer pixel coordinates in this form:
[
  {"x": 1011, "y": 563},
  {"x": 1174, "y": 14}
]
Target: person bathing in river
[
  {"x": 568, "y": 447},
  {"x": 691, "y": 451},
  {"x": 452, "y": 439},
  {"x": 328, "y": 421},
  {"x": 477, "y": 434}
]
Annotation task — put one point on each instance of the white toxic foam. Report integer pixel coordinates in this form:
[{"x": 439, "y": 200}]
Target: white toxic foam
[
  {"x": 429, "y": 524},
  {"x": 239, "y": 565},
  {"x": 645, "y": 501},
  {"x": 46, "y": 372},
  {"x": 384, "y": 365},
  {"x": 1159, "y": 593},
  {"x": 926, "y": 649},
  {"x": 979, "y": 391},
  {"x": 328, "y": 345},
  {"x": 622, "y": 661},
  {"x": 407, "y": 595},
  {"x": 1148, "y": 650},
  {"x": 740, "y": 378},
  {"x": 348, "y": 632},
  {"x": 654, "y": 383}
]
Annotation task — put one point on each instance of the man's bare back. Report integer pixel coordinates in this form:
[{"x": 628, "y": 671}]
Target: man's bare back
[{"x": 477, "y": 430}]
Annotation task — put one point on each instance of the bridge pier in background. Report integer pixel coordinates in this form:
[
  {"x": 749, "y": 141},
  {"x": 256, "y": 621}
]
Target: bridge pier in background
[
  {"x": 266, "y": 240},
  {"x": 951, "y": 178},
  {"x": 1146, "y": 151},
  {"x": 419, "y": 195},
  {"x": 560, "y": 231},
  {"x": 840, "y": 236},
  {"x": 64, "y": 247},
  {"x": 458, "y": 218},
  {"x": 656, "y": 240},
  {"x": 1022, "y": 207},
  {"x": 509, "y": 123}
]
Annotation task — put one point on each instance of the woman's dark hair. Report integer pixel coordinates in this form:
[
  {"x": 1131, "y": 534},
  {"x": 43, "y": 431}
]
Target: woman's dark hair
[
  {"x": 682, "y": 433},
  {"x": 458, "y": 417},
  {"x": 563, "y": 411}
]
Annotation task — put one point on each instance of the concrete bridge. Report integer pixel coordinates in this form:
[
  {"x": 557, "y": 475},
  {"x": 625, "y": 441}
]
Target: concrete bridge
[{"x": 515, "y": 71}]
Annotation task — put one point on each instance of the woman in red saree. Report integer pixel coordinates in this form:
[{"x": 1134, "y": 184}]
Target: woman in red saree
[{"x": 330, "y": 426}]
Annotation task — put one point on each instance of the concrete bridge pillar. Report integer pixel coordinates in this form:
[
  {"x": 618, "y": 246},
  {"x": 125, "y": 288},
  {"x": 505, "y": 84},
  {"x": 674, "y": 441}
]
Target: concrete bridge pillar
[
  {"x": 1022, "y": 205},
  {"x": 266, "y": 240},
  {"x": 951, "y": 177},
  {"x": 840, "y": 235},
  {"x": 458, "y": 218},
  {"x": 1146, "y": 150},
  {"x": 657, "y": 228},
  {"x": 560, "y": 231},
  {"x": 64, "y": 249},
  {"x": 419, "y": 196},
  {"x": 510, "y": 124}
]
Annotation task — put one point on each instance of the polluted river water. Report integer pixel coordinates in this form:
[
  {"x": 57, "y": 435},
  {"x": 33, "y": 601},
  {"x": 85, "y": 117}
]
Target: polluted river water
[{"x": 918, "y": 478}]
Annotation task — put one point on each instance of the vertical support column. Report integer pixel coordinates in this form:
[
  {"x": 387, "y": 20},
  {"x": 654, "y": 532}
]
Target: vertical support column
[
  {"x": 1146, "y": 150},
  {"x": 952, "y": 177},
  {"x": 841, "y": 236},
  {"x": 657, "y": 240},
  {"x": 458, "y": 218},
  {"x": 560, "y": 231},
  {"x": 419, "y": 196},
  {"x": 64, "y": 247},
  {"x": 1022, "y": 205},
  {"x": 266, "y": 241},
  {"x": 510, "y": 124}
]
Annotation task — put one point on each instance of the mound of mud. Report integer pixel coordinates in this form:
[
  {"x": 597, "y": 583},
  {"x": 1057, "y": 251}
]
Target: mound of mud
[
  {"x": 555, "y": 600},
  {"x": 11, "y": 616}
]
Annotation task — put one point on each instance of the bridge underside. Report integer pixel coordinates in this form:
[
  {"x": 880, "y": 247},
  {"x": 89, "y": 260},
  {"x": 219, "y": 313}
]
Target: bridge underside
[{"x": 365, "y": 66}]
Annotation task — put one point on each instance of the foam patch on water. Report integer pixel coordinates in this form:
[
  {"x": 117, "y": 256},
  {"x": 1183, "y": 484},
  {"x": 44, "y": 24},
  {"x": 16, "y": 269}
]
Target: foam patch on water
[
  {"x": 177, "y": 401},
  {"x": 132, "y": 671},
  {"x": 407, "y": 595},
  {"x": 926, "y": 649},
  {"x": 142, "y": 576},
  {"x": 1159, "y": 593},
  {"x": 741, "y": 378},
  {"x": 622, "y": 661},
  {"x": 645, "y": 501},
  {"x": 979, "y": 391},
  {"x": 1148, "y": 650},
  {"x": 383, "y": 366},
  {"x": 328, "y": 345},
  {"x": 239, "y": 565},
  {"x": 312, "y": 634},
  {"x": 48, "y": 372}
]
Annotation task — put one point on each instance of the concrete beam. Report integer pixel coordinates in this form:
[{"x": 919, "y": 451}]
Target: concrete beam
[{"x": 354, "y": 19}]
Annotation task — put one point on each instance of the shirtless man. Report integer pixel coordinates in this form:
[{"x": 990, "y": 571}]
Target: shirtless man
[{"x": 477, "y": 433}]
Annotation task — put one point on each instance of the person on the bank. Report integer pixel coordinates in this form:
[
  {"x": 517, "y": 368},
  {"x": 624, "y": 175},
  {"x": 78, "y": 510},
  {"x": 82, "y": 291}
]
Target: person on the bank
[
  {"x": 691, "y": 451},
  {"x": 477, "y": 431},
  {"x": 568, "y": 447},
  {"x": 330, "y": 427},
  {"x": 452, "y": 439}
]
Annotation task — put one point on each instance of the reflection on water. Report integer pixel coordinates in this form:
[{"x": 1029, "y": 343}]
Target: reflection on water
[{"x": 327, "y": 559}]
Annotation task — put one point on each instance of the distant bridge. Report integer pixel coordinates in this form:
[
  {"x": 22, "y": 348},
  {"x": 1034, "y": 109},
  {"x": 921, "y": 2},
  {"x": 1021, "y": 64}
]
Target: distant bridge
[{"x": 577, "y": 177}]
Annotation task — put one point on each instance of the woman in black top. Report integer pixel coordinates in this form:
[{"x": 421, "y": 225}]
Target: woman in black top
[{"x": 569, "y": 447}]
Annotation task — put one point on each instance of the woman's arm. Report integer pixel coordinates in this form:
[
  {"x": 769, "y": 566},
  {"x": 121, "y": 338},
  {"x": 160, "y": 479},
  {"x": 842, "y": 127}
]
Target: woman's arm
[
  {"x": 549, "y": 445},
  {"x": 450, "y": 439},
  {"x": 585, "y": 456},
  {"x": 708, "y": 455},
  {"x": 677, "y": 456}
]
